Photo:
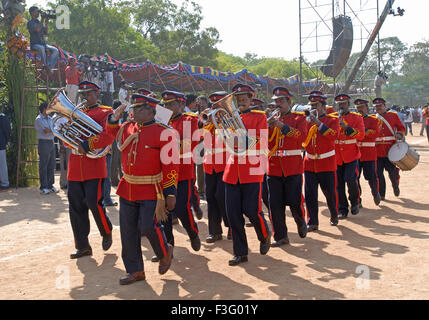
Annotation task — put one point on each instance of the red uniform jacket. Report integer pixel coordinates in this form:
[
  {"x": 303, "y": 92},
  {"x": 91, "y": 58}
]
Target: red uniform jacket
[
  {"x": 186, "y": 125},
  {"x": 80, "y": 167},
  {"x": 425, "y": 115},
  {"x": 146, "y": 157},
  {"x": 386, "y": 139},
  {"x": 368, "y": 151},
  {"x": 250, "y": 168},
  {"x": 214, "y": 151},
  {"x": 286, "y": 157},
  {"x": 346, "y": 147},
  {"x": 321, "y": 144},
  {"x": 330, "y": 109}
]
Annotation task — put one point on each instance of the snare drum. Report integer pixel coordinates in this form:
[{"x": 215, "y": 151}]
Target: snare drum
[{"x": 403, "y": 156}]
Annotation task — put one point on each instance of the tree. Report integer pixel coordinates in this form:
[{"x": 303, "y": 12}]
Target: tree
[
  {"x": 392, "y": 51},
  {"x": 97, "y": 27}
]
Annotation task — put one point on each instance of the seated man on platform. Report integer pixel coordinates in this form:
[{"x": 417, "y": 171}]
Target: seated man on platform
[{"x": 38, "y": 30}]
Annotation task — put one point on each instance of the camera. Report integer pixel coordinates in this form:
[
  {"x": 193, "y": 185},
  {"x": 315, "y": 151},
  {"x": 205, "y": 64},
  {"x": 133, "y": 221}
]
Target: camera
[
  {"x": 48, "y": 14},
  {"x": 96, "y": 68}
]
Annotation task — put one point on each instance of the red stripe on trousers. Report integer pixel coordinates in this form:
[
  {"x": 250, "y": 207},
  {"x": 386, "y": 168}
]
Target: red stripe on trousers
[
  {"x": 188, "y": 208},
  {"x": 336, "y": 193},
  {"x": 263, "y": 228},
  {"x": 100, "y": 209},
  {"x": 357, "y": 182},
  {"x": 160, "y": 237}
]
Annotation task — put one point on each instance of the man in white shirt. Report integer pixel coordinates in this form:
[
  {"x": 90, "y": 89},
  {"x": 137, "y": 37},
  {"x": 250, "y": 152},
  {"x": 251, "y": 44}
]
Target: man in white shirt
[{"x": 107, "y": 89}]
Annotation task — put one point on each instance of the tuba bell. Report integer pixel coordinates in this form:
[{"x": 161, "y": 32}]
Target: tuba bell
[
  {"x": 226, "y": 118},
  {"x": 72, "y": 126}
]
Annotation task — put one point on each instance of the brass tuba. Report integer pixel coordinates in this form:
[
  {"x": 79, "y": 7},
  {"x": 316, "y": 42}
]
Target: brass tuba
[
  {"x": 226, "y": 118},
  {"x": 73, "y": 126}
]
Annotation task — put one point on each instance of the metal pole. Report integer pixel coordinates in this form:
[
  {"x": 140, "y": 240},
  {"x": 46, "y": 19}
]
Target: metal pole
[{"x": 300, "y": 50}]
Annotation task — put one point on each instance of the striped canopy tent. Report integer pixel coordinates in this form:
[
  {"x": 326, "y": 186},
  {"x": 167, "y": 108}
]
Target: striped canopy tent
[{"x": 192, "y": 79}]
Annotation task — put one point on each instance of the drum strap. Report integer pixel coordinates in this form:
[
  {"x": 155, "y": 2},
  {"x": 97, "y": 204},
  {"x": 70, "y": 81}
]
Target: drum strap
[{"x": 386, "y": 123}]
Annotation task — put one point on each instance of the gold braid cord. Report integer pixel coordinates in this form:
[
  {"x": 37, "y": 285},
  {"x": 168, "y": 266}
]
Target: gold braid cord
[{"x": 311, "y": 134}]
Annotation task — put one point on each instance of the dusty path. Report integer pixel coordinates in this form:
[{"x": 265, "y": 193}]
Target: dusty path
[{"x": 382, "y": 253}]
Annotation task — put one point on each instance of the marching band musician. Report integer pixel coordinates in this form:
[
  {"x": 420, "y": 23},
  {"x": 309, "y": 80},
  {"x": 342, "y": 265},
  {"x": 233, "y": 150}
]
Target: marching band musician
[
  {"x": 258, "y": 104},
  {"x": 320, "y": 164},
  {"x": 186, "y": 125},
  {"x": 214, "y": 165},
  {"x": 368, "y": 151},
  {"x": 147, "y": 187},
  {"x": 286, "y": 167},
  {"x": 243, "y": 179},
  {"x": 392, "y": 130},
  {"x": 86, "y": 178},
  {"x": 329, "y": 109},
  {"x": 347, "y": 154},
  {"x": 146, "y": 92}
]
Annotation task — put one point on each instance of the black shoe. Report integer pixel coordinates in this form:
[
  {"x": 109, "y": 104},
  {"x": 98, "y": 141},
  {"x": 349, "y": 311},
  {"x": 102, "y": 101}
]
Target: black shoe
[
  {"x": 107, "y": 242},
  {"x": 377, "y": 199},
  {"x": 237, "y": 260},
  {"x": 342, "y": 216},
  {"x": 396, "y": 191},
  {"x": 280, "y": 242},
  {"x": 334, "y": 222},
  {"x": 198, "y": 213},
  {"x": 249, "y": 224},
  {"x": 302, "y": 230},
  {"x": 154, "y": 259},
  {"x": 196, "y": 243},
  {"x": 229, "y": 236},
  {"x": 111, "y": 204},
  {"x": 355, "y": 209},
  {"x": 265, "y": 245},
  {"x": 213, "y": 238},
  {"x": 81, "y": 253},
  {"x": 312, "y": 227}
]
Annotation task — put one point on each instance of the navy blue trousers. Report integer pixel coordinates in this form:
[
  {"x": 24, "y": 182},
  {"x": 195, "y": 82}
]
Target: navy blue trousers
[
  {"x": 369, "y": 169},
  {"x": 347, "y": 174},
  {"x": 85, "y": 196},
  {"x": 265, "y": 192},
  {"x": 137, "y": 219},
  {"x": 392, "y": 170},
  {"x": 285, "y": 191},
  {"x": 215, "y": 195},
  {"x": 182, "y": 211},
  {"x": 245, "y": 198},
  {"x": 327, "y": 181}
]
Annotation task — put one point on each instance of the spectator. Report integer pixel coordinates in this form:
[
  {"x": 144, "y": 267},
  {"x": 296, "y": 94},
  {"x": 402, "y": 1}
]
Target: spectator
[
  {"x": 124, "y": 95},
  {"x": 38, "y": 30},
  {"x": 107, "y": 89},
  {"x": 4, "y": 138},
  {"x": 408, "y": 122},
  {"x": 421, "y": 120},
  {"x": 73, "y": 74},
  {"x": 191, "y": 105},
  {"x": 46, "y": 149},
  {"x": 202, "y": 103}
]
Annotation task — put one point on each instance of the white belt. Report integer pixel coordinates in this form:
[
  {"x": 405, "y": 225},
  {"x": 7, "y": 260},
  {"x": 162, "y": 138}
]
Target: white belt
[
  {"x": 366, "y": 144},
  {"x": 285, "y": 153},
  {"x": 186, "y": 155},
  {"x": 390, "y": 138},
  {"x": 345, "y": 141},
  {"x": 321, "y": 156},
  {"x": 215, "y": 151},
  {"x": 74, "y": 151}
]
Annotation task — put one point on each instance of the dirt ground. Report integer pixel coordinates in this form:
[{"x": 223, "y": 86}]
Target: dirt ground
[{"x": 381, "y": 253}]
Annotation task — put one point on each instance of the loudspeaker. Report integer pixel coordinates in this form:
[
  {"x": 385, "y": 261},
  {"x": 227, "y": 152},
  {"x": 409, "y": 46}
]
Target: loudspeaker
[{"x": 341, "y": 46}]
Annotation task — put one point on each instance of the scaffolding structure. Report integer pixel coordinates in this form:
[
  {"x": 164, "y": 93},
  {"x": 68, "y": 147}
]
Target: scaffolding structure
[{"x": 316, "y": 36}]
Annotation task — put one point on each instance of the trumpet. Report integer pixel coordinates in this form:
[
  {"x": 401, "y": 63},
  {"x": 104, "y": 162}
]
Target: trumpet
[
  {"x": 273, "y": 114},
  {"x": 308, "y": 111},
  {"x": 205, "y": 116}
]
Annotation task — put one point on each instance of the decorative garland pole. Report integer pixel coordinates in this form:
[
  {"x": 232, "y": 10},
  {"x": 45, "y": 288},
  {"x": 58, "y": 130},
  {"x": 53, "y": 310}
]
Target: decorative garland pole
[{"x": 11, "y": 17}]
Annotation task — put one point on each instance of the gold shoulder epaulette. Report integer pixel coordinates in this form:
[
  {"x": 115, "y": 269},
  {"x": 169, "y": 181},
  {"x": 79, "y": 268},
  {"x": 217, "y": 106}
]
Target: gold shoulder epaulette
[
  {"x": 258, "y": 111},
  {"x": 299, "y": 112},
  {"x": 191, "y": 114},
  {"x": 373, "y": 116},
  {"x": 333, "y": 115},
  {"x": 162, "y": 125},
  {"x": 356, "y": 113},
  {"x": 105, "y": 107}
]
